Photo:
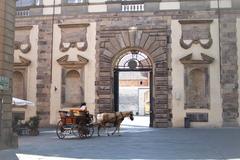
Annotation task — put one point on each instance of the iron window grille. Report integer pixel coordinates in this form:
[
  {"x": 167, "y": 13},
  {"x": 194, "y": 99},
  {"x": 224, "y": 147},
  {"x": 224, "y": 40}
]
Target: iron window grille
[{"x": 133, "y": 60}]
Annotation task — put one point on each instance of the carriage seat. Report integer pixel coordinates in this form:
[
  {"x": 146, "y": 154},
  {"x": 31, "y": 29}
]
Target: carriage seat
[{"x": 77, "y": 112}]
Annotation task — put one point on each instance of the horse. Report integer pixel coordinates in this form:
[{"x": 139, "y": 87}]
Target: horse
[{"x": 113, "y": 118}]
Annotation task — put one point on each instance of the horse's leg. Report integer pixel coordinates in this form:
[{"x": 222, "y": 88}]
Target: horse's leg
[
  {"x": 106, "y": 131},
  {"x": 119, "y": 129},
  {"x": 99, "y": 127},
  {"x": 115, "y": 129}
]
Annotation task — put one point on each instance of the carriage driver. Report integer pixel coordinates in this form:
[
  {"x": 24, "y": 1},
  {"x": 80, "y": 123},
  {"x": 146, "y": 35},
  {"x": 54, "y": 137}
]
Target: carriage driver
[{"x": 83, "y": 107}]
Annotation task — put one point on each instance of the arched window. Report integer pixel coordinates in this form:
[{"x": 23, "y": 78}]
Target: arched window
[
  {"x": 73, "y": 91},
  {"x": 18, "y": 85},
  {"x": 133, "y": 60}
]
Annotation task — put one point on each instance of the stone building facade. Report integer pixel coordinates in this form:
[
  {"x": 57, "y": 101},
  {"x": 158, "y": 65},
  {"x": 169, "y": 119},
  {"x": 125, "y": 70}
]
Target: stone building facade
[
  {"x": 69, "y": 52},
  {"x": 7, "y": 19}
]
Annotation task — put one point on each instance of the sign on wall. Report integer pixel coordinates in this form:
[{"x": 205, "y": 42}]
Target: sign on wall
[{"x": 4, "y": 83}]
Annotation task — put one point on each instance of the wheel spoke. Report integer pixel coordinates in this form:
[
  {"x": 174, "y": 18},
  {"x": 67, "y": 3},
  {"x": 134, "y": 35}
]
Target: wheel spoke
[{"x": 60, "y": 131}]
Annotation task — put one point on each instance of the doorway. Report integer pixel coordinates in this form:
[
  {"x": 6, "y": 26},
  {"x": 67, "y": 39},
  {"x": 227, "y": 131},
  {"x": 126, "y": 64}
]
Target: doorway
[{"x": 133, "y": 86}]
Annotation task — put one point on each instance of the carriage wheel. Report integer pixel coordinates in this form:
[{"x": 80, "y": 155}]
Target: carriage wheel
[
  {"x": 82, "y": 131},
  {"x": 74, "y": 131},
  {"x": 60, "y": 130},
  {"x": 91, "y": 130},
  {"x": 85, "y": 131}
]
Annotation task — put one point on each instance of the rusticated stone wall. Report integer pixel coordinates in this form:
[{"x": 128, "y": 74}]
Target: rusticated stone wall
[
  {"x": 229, "y": 69},
  {"x": 118, "y": 38},
  {"x": 7, "y": 20}
]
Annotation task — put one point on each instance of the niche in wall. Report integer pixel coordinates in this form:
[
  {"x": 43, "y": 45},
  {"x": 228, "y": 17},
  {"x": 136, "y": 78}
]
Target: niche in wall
[
  {"x": 20, "y": 78},
  {"x": 72, "y": 89},
  {"x": 196, "y": 82}
]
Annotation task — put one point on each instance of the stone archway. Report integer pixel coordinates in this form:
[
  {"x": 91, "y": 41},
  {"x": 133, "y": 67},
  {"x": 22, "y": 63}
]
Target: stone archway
[
  {"x": 133, "y": 66},
  {"x": 112, "y": 43}
]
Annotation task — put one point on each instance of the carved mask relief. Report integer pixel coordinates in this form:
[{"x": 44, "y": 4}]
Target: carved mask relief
[
  {"x": 73, "y": 35},
  {"x": 196, "y": 32},
  {"x": 22, "y": 39}
]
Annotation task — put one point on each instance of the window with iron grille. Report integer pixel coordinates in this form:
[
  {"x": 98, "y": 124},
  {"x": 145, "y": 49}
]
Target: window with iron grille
[{"x": 133, "y": 60}]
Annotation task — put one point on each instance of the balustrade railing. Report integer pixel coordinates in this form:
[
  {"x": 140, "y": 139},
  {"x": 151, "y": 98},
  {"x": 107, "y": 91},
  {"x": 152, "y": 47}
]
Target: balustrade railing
[
  {"x": 132, "y": 7},
  {"x": 23, "y": 12}
]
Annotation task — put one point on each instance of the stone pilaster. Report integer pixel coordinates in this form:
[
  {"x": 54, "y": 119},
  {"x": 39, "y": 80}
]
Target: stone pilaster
[
  {"x": 7, "y": 20},
  {"x": 44, "y": 71},
  {"x": 229, "y": 70}
]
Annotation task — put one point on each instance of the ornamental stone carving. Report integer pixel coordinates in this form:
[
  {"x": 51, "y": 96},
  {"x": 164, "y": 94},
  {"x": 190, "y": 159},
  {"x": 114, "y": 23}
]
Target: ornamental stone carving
[
  {"x": 22, "y": 39},
  {"x": 23, "y": 62},
  {"x": 196, "y": 32},
  {"x": 73, "y": 36},
  {"x": 63, "y": 61}
]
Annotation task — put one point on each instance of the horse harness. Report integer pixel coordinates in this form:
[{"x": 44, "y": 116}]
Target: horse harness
[{"x": 116, "y": 118}]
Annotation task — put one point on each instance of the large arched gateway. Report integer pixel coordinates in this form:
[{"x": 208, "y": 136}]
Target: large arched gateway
[
  {"x": 132, "y": 62},
  {"x": 149, "y": 51}
]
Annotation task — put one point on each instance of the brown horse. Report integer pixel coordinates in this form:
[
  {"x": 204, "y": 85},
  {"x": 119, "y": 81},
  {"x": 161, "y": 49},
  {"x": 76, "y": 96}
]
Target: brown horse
[{"x": 113, "y": 118}]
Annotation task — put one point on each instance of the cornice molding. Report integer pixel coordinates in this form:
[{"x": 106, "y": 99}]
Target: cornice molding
[
  {"x": 71, "y": 25},
  {"x": 23, "y": 27},
  {"x": 195, "y": 21}
]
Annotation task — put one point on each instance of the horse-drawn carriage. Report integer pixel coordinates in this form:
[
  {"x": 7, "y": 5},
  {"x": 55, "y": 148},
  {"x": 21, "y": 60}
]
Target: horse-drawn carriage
[
  {"x": 80, "y": 123},
  {"x": 75, "y": 123}
]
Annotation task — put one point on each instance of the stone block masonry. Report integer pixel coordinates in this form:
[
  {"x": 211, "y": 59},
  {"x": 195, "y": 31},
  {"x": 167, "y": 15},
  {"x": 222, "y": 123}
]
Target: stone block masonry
[
  {"x": 229, "y": 70},
  {"x": 7, "y": 20},
  {"x": 44, "y": 71}
]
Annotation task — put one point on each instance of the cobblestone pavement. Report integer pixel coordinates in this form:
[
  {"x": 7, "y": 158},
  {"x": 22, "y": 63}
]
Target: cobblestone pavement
[{"x": 135, "y": 142}]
